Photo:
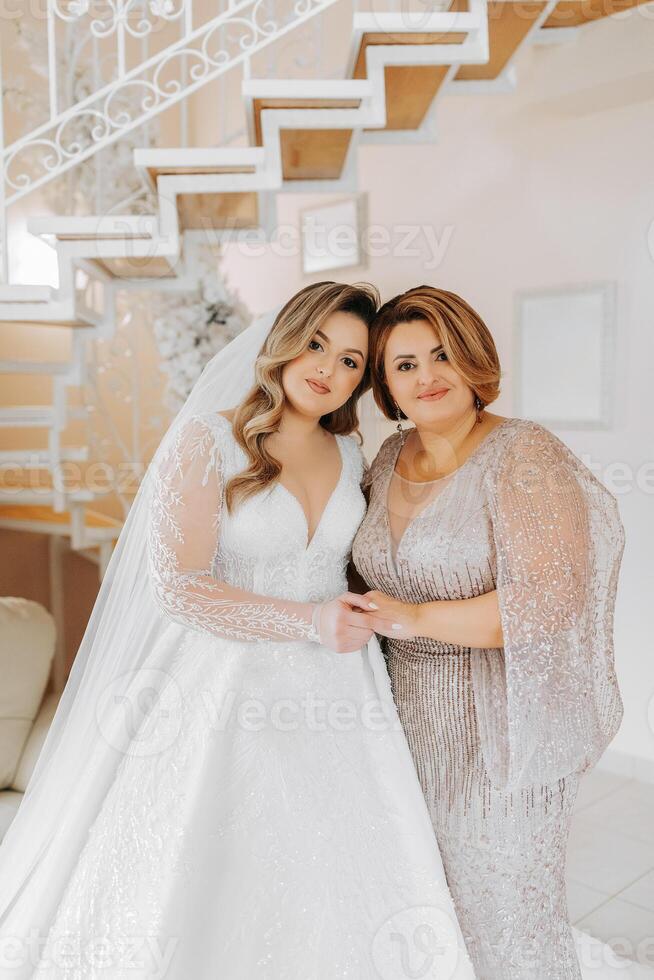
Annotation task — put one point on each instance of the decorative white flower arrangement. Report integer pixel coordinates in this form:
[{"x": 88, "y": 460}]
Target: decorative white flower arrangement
[{"x": 190, "y": 329}]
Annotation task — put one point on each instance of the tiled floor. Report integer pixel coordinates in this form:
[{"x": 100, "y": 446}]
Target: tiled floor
[{"x": 611, "y": 863}]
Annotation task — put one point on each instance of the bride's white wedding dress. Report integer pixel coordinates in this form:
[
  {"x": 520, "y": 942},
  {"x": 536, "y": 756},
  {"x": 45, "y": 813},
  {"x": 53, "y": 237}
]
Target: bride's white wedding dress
[{"x": 266, "y": 822}]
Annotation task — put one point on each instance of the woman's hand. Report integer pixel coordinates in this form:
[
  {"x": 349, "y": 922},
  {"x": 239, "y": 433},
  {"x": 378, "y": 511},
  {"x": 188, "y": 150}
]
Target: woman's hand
[
  {"x": 389, "y": 617},
  {"x": 341, "y": 625}
]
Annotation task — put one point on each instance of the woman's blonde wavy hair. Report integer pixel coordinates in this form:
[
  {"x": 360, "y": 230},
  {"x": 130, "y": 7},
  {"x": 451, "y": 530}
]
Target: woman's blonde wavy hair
[
  {"x": 466, "y": 340},
  {"x": 260, "y": 412}
]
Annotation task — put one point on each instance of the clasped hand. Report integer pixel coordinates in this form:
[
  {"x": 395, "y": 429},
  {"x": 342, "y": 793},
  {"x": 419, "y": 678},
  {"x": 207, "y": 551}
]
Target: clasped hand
[{"x": 347, "y": 622}]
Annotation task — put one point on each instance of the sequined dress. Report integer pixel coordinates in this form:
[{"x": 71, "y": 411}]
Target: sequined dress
[
  {"x": 266, "y": 822},
  {"x": 500, "y": 736}
]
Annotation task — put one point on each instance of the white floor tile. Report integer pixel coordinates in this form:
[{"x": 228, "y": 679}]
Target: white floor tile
[
  {"x": 605, "y": 860},
  {"x": 627, "y": 810},
  {"x": 597, "y": 784},
  {"x": 641, "y": 892},
  {"x": 625, "y": 927},
  {"x": 583, "y": 900}
]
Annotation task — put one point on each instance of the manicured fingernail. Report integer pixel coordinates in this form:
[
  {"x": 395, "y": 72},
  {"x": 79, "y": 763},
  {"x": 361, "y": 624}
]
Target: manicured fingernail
[
  {"x": 371, "y": 605},
  {"x": 397, "y": 626}
]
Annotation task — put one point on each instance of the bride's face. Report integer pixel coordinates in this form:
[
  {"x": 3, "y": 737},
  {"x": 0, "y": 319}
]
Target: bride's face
[{"x": 323, "y": 378}]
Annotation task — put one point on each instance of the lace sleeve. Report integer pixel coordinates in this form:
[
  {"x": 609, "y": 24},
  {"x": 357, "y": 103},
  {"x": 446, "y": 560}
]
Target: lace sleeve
[
  {"x": 548, "y": 703},
  {"x": 186, "y": 506}
]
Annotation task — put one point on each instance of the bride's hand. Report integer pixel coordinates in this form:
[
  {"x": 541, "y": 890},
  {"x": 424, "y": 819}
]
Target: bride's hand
[
  {"x": 388, "y": 616},
  {"x": 341, "y": 626}
]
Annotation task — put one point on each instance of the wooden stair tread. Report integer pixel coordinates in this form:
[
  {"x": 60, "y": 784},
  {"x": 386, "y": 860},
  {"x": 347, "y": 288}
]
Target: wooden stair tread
[
  {"x": 136, "y": 267},
  {"x": 402, "y": 39},
  {"x": 410, "y": 89},
  {"x": 574, "y": 13},
  {"x": 47, "y": 515},
  {"x": 234, "y": 209},
  {"x": 508, "y": 25},
  {"x": 258, "y": 105},
  {"x": 155, "y": 172},
  {"x": 314, "y": 154}
]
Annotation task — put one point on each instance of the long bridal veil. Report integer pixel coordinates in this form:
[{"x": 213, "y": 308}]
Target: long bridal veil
[{"x": 98, "y": 710}]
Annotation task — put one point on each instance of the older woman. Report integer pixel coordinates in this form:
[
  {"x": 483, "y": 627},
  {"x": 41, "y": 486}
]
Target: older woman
[{"x": 493, "y": 553}]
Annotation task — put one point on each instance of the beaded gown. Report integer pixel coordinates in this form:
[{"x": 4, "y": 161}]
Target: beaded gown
[
  {"x": 266, "y": 822},
  {"x": 500, "y": 736}
]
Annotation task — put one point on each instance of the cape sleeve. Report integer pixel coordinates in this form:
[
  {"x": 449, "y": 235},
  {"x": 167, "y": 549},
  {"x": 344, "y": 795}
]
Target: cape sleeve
[
  {"x": 185, "y": 515},
  {"x": 548, "y": 702}
]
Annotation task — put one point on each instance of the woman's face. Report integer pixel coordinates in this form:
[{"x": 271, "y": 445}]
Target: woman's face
[
  {"x": 420, "y": 378},
  {"x": 322, "y": 379}
]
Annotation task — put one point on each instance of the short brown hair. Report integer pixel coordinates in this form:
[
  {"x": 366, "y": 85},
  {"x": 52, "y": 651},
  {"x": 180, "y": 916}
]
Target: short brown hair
[{"x": 466, "y": 340}]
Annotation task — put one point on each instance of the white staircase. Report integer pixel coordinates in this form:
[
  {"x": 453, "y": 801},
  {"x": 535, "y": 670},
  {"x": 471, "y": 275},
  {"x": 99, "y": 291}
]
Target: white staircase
[{"x": 303, "y": 135}]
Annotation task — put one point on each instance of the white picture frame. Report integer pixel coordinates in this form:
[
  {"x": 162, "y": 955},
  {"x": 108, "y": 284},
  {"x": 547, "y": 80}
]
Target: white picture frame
[
  {"x": 331, "y": 235},
  {"x": 565, "y": 356}
]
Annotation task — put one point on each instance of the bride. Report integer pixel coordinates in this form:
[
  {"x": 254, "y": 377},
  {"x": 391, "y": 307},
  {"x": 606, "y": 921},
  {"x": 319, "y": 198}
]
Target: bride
[{"x": 226, "y": 788}]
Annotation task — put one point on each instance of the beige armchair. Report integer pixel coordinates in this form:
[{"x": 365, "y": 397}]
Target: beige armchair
[{"x": 27, "y": 643}]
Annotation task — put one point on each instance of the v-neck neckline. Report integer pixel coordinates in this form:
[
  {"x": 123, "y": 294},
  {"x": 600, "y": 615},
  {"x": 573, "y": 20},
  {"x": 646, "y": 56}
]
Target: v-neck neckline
[
  {"x": 435, "y": 500},
  {"x": 310, "y": 540},
  {"x": 291, "y": 495}
]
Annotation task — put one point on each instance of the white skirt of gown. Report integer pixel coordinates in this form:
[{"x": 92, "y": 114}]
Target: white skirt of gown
[{"x": 266, "y": 824}]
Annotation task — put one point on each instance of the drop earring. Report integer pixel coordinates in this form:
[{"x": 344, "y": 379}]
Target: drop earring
[
  {"x": 398, "y": 416},
  {"x": 479, "y": 405}
]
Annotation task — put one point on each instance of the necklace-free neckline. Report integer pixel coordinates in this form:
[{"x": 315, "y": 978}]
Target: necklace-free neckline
[{"x": 436, "y": 502}]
